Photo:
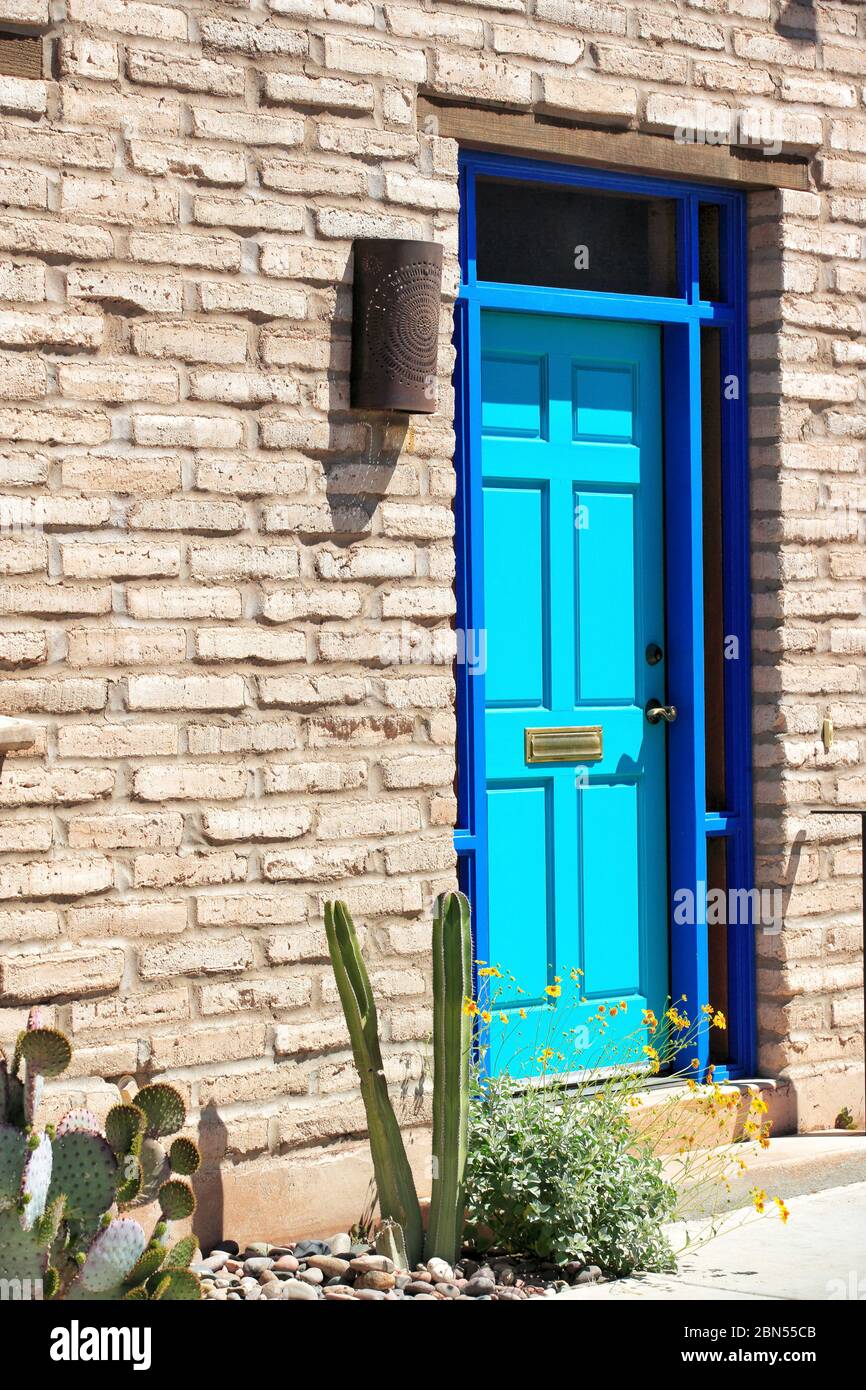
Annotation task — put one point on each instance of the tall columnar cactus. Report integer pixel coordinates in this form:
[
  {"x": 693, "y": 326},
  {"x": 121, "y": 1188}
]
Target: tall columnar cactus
[
  {"x": 452, "y": 1045},
  {"x": 452, "y": 1038},
  {"x": 59, "y": 1187},
  {"x": 398, "y": 1200}
]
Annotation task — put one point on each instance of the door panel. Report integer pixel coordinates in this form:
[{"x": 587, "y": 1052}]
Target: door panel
[{"x": 573, "y": 594}]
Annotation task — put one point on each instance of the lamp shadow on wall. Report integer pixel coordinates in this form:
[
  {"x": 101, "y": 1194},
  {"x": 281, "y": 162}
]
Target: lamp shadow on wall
[
  {"x": 207, "y": 1183},
  {"x": 363, "y": 448},
  {"x": 797, "y": 21}
]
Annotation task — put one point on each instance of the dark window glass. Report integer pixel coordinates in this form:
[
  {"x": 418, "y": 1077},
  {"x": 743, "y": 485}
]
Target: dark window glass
[
  {"x": 709, "y": 250},
  {"x": 717, "y": 942},
  {"x": 575, "y": 238},
  {"x": 714, "y": 619}
]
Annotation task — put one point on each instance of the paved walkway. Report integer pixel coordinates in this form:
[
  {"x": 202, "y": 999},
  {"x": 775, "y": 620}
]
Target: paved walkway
[{"x": 819, "y": 1254}]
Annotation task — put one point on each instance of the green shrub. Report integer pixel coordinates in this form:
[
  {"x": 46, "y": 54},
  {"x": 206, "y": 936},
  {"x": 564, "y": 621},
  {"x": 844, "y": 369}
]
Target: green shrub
[{"x": 561, "y": 1177}]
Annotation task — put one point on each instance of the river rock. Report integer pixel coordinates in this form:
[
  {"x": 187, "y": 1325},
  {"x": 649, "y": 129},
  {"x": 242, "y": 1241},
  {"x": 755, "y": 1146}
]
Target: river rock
[
  {"x": 376, "y": 1279},
  {"x": 440, "y": 1269},
  {"x": 215, "y": 1260},
  {"x": 447, "y": 1289},
  {"x": 330, "y": 1266},
  {"x": 298, "y": 1292},
  {"x": 362, "y": 1264},
  {"x": 479, "y": 1287},
  {"x": 286, "y": 1264},
  {"x": 310, "y": 1247}
]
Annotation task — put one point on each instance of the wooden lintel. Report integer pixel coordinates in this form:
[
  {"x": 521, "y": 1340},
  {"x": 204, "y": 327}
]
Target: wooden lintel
[{"x": 526, "y": 133}]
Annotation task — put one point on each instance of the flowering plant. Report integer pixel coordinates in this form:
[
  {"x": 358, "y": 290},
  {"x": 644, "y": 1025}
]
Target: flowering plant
[{"x": 574, "y": 1151}]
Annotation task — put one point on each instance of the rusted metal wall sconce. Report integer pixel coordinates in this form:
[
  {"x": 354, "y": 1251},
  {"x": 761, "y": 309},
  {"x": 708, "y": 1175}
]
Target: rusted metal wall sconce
[{"x": 395, "y": 325}]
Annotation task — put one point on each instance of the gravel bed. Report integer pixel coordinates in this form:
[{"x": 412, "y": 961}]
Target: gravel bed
[{"x": 339, "y": 1269}]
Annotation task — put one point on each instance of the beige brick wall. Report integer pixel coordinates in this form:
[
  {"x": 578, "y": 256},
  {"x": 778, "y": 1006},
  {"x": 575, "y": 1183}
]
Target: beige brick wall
[{"x": 228, "y": 607}]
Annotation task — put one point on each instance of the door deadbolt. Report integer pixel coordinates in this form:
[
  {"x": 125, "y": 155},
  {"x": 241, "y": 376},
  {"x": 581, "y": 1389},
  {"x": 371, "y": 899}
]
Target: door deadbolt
[{"x": 655, "y": 712}]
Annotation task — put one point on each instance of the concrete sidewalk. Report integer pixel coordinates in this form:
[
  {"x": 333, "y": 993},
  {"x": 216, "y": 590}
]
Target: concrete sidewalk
[
  {"x": 819, "y": 1254},
  {"x": 793, "y": 1166}
]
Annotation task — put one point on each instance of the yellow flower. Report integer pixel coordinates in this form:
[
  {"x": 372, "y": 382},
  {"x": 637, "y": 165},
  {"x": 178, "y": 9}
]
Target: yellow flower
[
  {"x": 553, "y": 990},
  {"x": 707, "y": 1009},
  {"x": 623, "y": 1005},
  {"x": 719, "y": 1020},
  {"x": 759, "y": 1198},
  {"x": 613, "y": 1011},
  {"x": 522, "y": 1013},
  {"x": 783, "y": 1210},
  {"x": 649, "y": 1019},
  {"x": 758, "y": 1106},
  {"x": 601, "y": 1010},
  {"x": 491, "y": 970},
  {"x": 470, "y": 1008},
  {"x": 486, "y": 1015},
  {"x": 694, "y": 1064},
  {"x": 557, "y": 979},
  {"x": 503, "y": 1017},
  {"x": 575, "y": 975},
  {"x": 650, "y": 1052}
]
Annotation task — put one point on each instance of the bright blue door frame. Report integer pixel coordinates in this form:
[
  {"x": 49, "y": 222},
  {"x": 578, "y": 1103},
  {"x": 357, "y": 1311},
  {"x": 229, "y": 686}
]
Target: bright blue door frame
[{"x": 681, "y": 320}]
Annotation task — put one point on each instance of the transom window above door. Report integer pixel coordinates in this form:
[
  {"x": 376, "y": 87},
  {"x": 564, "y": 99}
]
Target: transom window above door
[{"x": 584, "y": 239}]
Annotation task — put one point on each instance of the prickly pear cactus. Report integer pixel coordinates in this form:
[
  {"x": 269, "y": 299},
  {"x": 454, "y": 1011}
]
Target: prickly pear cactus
[
  {"x": 36, "y": 1180},
  {"x": 112, "y": 1254},
  {"x": 60, "y": 1188}
]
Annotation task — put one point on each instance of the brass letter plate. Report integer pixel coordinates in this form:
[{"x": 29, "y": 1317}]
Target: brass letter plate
[{"x": 582, "y": 743}]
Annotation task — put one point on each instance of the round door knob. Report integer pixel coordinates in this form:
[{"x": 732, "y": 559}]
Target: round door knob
[{"x": 655, "y": 712}]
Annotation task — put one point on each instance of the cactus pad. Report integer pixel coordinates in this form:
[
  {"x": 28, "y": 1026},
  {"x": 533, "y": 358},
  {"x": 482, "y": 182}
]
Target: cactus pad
[
  {"x": 124, "y": 1125},
  {"x": 77, "y": 1119},
  {"x": 47, "y": 1229},
  {"x": 184, "y": 1157},
  {"x": 149, "y": 1263},
  {"x": 176, "y": 1285},
  {"x": 13, "y": 1152},
  {"x": 181, "y": 1253},
  {"x": 45, "y": 1050},
  {"x": 163, "y": 1105},
  {"x": 85, "y": 1169},
  {"x": 113, "y": 1253},
  {"x": 20, "y": 1255},
  {"x": 35, "y": 1182},
  {"x": 176, "y": 1200}
]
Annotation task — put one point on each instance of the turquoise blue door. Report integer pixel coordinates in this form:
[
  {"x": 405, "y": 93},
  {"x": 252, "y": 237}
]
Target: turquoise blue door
[{"x": 574, "y": 617}]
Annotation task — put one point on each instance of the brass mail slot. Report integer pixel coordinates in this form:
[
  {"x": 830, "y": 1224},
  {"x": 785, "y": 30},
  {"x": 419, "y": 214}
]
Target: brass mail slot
[{"x": 581, "y": 743}]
